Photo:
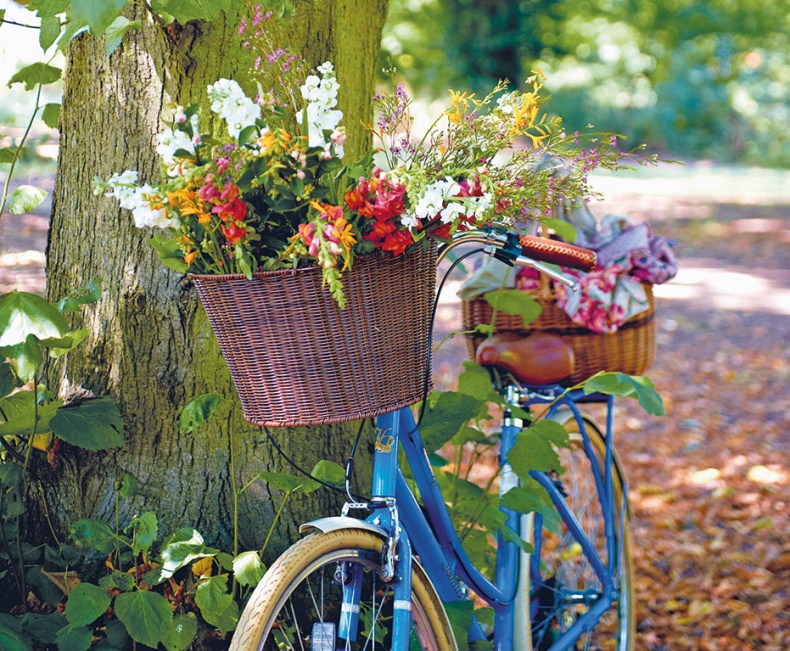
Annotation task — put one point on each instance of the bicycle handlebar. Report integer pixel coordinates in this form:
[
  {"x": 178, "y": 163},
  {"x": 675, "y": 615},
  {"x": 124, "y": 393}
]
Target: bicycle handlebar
[{"x": 527, "y": 251}]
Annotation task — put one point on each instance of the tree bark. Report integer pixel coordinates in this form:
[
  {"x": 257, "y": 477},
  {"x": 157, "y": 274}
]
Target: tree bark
[{"x": 151, "y": 348}]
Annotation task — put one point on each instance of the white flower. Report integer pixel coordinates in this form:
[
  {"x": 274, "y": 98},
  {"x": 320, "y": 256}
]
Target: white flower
[
  {"x": 170, "y": 142},
  {"x": 451, "y": 212},
  {"x": 146, "y": 216},
  {"x": 326, "y": 68},
  {"x": 233, "y": 106},
  {"x": 321, "y": 96}
]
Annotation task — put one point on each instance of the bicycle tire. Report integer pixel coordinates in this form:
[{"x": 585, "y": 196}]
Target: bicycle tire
[
  {"x": 562, "y": 562},
  {"x": 321, "y": 553}
]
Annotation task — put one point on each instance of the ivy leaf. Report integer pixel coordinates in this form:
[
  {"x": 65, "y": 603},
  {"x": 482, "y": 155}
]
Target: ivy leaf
[
  {"x": 7, "y": 154},
  {"x": 476, "y": 381},
  {"x": 7, "y": 384},
  {"x": 443, "y": 419},
  {"x": 145, "y": 529},
  {"x": 284, "y": 482},
  {"x": 329, "y": 472},
  {"x": 23, "y": 314},
  {"x": 217, "y": 606},
  {"x": 147, "y": 615},
  {"x": 43, "y": 627},
  {"x": 169, "y": 252},
  {"x": 565, "y": 230},
  {"x": 35, "y": 74},
  {"x": 181, "y": 632},
  {"x": 91, "y": 293},
  {"x": 48, "y": 8},
  {"x": 92, "y": 534},
  {"x": 86, "y": 603},
  {"x": 25, "y": 198},
  {"x": 74, "y": 639},
  {"x": 97, "y": 14},
  {"x": 183, "y": 547},
  {"x": 90, "y": 425},
  {"x": 248, "y": 569},
  {"x": 21, "y": 414},
  {"x": 51, "y": 115},
  {"x": 514, "y": 302},
  {"x": 116, "y": 31},
  {"x": 59, "y": 346},
  {"x": 49, "y": 31},
  {"x": 117, "y": 581},
  {"x": 631, "y": 386},
  {"x": 534, "y": 448},
  {"x": 198, "y": 411},
  {"x": 11, "y": 635}
]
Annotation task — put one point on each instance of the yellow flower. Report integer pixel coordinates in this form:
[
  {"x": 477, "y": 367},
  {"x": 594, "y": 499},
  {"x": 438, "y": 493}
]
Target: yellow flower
[{"x": 459, "y": 105}]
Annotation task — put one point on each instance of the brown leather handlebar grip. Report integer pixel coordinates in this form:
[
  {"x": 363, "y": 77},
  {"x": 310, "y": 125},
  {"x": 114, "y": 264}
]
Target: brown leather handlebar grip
[{"x": 561, "y": 253}]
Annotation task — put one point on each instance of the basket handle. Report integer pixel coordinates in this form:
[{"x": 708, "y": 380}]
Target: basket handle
[{"x": 561, "y": 253}]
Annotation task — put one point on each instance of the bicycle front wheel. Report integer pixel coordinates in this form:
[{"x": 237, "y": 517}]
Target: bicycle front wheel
[
  {"x": 299, "y": 602},
  {"x": 564, "y": 583}
]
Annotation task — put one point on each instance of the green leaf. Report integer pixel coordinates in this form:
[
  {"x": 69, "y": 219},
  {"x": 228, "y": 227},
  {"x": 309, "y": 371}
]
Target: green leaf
[
  {"x": 531, "y": 497},
  {"x": 329, "y": 472},
  {"x": 21, "y": 414},
  {"x": 7, "y": 154},
  {"x": 169, "y": 253},
  {"x": 145, "y": 529},
  {"x": 25, "y": 198},
  {"x": 127, "y": 487},
  {"x": 198, "y": 411},
  {"x": 116, "y": 31},
  {"x": 460, "y": 614},
  {"x": 122, "y": 581},
  {"x": 90, "y": 425},
  {"x": 74, "y": 639},
  {"x": 49, "y": 7},
  {"x": 11, "y": 636},
  {"x": 146, "y": 615},
  {"x": 284, "y": 482},
  {"x": 515, "y": 302},
  {"x": 2, "y": 16},
  {"x": 23, "y": 314},
  {"x": 631, "y": 386},
  {"x": 248, "y": 569},
  {"x": 7, "y": 383},
  {"x": 181, "y": 632},
  {"x": 35, "y": 74},
  {"x": 117, "y": 635},
  {"x": 534, "y": 448},
  {"x": 476, "y": 381},
  {"x": 86, "y": 603},
  {"x": 183, "y": 547},
  {"x": 59, "y": 346},
  {"x": 25, "y": 358},
  {"x": 92, "y": 534},
  {"x": 49, "y": 32},
  {"x": 51, "y": 115},
  {"x": 43, "y": 627},
  {"x": 217, "y": 606},
  {"x": 10, "y": 473},
  {"x": 91, "y": 293},
  {"x": 97, "y": 14},
  {"x": 563, "y": 229},
  {"x": 445, "y": 417}
]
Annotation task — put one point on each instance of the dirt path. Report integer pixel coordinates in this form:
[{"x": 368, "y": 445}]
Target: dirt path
[{"x": 709, "y": 484}]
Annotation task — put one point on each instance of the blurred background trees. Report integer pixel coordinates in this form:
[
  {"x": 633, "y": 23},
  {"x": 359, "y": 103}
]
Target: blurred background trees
[{"x": 693, "y": 80}]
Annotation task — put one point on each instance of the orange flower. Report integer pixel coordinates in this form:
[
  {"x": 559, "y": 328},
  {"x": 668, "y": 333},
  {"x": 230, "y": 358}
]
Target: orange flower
[{"x": 189, "y": 258}]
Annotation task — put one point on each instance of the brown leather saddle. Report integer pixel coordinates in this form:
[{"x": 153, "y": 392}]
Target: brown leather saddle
[{"x": 536, "y": 359}]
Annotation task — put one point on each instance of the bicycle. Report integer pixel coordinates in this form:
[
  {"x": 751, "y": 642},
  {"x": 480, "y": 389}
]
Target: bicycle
[{"x": 383, "y": 581}]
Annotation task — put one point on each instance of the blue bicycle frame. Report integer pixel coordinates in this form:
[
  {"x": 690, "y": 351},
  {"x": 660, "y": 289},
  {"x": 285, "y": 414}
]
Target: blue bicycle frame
[{"x": 429, "y": 530}]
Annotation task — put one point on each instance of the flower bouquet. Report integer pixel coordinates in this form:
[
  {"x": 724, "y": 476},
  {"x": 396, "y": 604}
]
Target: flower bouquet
[{"x": 270, "y": 199}]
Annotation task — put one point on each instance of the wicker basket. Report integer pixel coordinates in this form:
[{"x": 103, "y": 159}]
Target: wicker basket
[
  {"x": 629, "y": 350},
  {"x": 297, "y": 359}
]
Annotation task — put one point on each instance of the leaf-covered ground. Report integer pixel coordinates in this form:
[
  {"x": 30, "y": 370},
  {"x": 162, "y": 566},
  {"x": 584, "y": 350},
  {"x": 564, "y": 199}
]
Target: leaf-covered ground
[{"x": 710, "y": 483}]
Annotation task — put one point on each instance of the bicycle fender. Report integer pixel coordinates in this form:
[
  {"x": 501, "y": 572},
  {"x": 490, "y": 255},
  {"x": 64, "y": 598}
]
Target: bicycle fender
[{"x": 335, "y": 523}]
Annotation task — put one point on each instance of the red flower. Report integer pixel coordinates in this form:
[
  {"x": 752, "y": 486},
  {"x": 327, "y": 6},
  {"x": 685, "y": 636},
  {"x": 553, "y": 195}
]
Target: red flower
[
  {"x": 397, "y": 242},
  {"x": 233, "y": 231},
  {"x": 233, "y": 210}
]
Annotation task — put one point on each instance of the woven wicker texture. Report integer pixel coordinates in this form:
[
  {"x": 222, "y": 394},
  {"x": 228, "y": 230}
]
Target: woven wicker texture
[
  {"x": 297, "y": 359},
  {"x": 631, "y": 349}
]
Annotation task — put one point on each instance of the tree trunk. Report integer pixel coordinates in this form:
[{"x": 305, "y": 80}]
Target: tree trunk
[{"x": 151, "y": 348}]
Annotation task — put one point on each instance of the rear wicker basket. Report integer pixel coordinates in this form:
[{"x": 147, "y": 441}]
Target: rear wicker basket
[
  {"x": 297, "y": 359},
  {"x": 629, "y": 350}
]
